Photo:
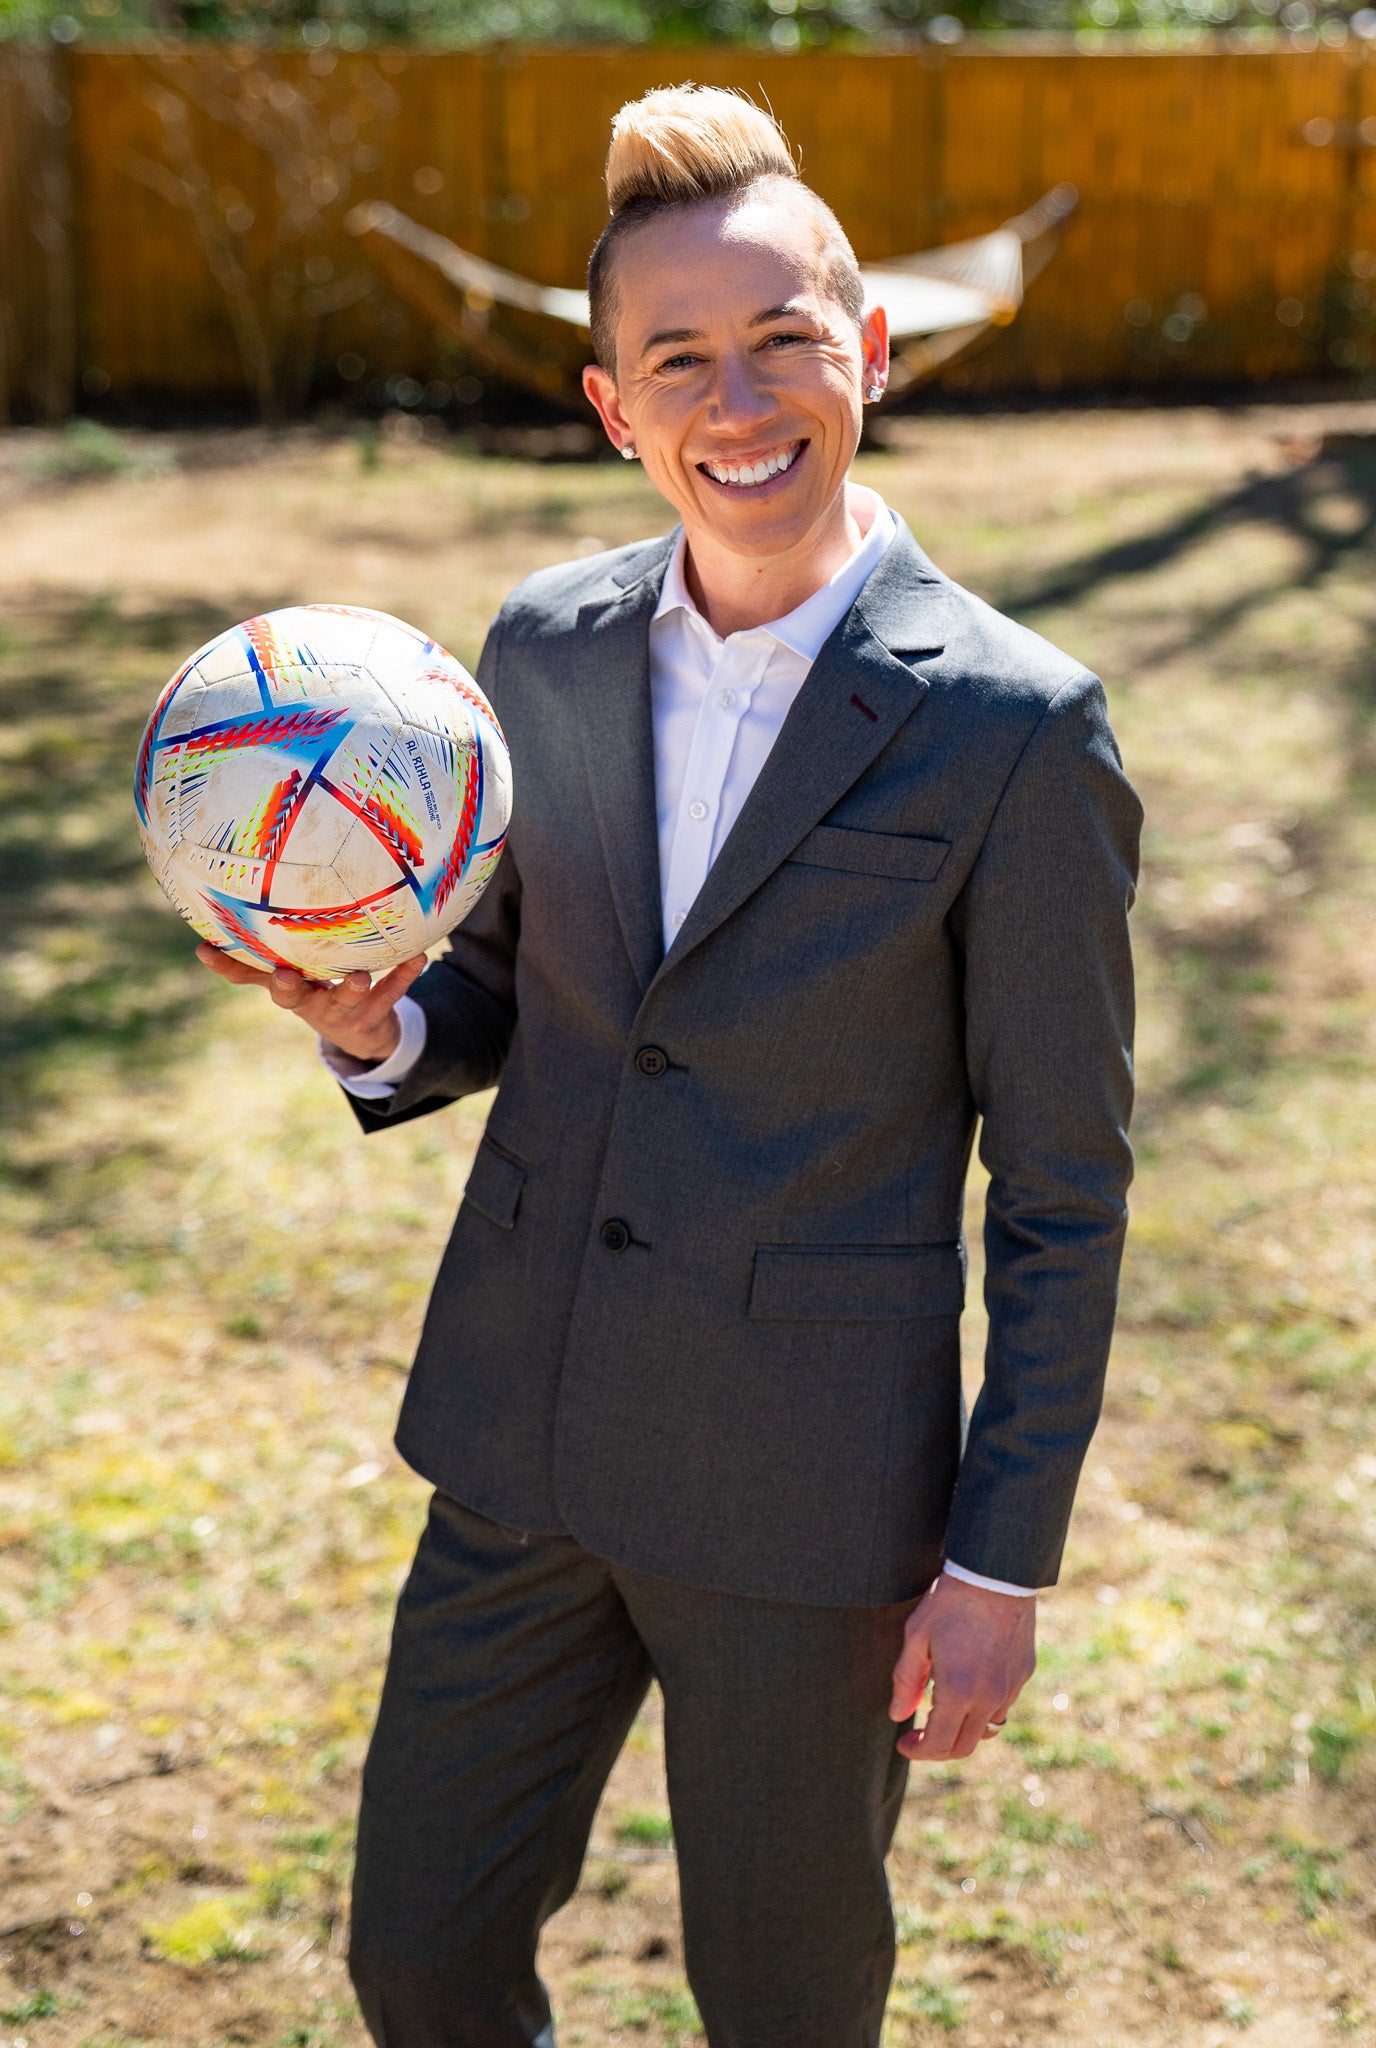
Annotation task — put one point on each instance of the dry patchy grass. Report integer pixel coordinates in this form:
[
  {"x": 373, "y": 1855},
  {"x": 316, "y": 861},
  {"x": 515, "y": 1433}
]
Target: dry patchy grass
[{"x": 212, "y": 1285}]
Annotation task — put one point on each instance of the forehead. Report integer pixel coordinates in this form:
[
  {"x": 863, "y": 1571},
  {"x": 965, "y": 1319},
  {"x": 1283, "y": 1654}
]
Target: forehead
[{"x": 721, "y": 260}]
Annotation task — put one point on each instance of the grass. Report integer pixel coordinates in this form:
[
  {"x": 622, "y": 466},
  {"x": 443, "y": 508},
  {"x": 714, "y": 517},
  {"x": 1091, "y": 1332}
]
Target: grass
[
  {"x": 672, "y": 2013},
  {"x": 38, "y": 2005},
  {"x": 922, "y": 1998},
  {"x": 215, "y": 1931},
  {"x": 645, "y": 1830},
  {"x": 212, "y": 1286}
]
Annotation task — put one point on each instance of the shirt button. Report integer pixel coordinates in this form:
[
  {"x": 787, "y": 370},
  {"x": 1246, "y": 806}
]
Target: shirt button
[
  {"x": 615, "y": 1234},
  {"x": 697, "y": 809},
  {"x": 678, "y": 918},
  {"x": 726, "y": 699},
  {"x": 652, "y": 1061}
]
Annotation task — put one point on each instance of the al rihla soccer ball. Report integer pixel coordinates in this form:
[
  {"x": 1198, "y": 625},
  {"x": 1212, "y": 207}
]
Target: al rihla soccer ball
[{"x": 323, "y": 788}]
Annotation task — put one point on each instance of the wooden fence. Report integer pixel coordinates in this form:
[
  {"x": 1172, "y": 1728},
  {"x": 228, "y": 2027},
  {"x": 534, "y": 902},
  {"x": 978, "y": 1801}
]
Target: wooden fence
[
  {"x": 37, "y": 311},
  {"x": 1227, "y": 227}
]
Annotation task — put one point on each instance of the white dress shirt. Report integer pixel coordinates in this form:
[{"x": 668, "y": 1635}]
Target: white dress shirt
[{"x": 717, "y": 707}]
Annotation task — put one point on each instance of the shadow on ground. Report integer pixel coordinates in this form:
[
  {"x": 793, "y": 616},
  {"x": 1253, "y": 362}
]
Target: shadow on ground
[
  {"x": 93, "y": 965},
  {"x": 1222, "y": 972}
]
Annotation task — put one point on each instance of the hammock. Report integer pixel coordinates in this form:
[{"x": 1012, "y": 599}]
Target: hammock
[{"x": 938, "y": 301}]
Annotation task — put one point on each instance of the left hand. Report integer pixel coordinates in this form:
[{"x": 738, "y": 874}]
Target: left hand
[
  {"x": 979, "y": 1649},
  {"x": 356, "y": 1014}
]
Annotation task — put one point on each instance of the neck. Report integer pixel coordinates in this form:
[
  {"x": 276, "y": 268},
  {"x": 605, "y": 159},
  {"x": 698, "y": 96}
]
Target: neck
[{"x": 735, "y": 592}]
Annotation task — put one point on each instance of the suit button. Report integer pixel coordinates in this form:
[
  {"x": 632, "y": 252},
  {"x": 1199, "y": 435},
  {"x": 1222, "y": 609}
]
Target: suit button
[
  {"x": 615, "y": 1234},
  {"x": 651, "y": 1061}
]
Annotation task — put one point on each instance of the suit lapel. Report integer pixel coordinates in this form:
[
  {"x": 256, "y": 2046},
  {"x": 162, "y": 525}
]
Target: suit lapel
[
  {"x": 612, "y": 655},
  {"x": 854, "y": 700}
]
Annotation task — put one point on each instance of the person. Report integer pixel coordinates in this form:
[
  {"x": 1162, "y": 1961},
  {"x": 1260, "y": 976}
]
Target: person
[{"x": 816, "y": 862}]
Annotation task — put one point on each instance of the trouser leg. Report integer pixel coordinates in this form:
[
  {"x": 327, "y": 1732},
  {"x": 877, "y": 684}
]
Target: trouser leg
[
  {"x": 785, "y": 1787},
  {"x": 515, "y": 1673}
]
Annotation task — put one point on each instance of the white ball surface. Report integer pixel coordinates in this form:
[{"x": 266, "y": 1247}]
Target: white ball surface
[{"x": 323, "y": 788}]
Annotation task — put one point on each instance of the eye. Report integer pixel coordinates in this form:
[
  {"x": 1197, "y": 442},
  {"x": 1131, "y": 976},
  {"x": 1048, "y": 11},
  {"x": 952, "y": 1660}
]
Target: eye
[
  {"x": 684, "y": 361},
  {"x": 786, "y": 340}
]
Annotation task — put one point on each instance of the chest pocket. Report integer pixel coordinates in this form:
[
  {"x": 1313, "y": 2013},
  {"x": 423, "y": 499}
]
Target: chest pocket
[
  {"x": 893, "y": 856},
  {"x": 495, "y": 1184}
]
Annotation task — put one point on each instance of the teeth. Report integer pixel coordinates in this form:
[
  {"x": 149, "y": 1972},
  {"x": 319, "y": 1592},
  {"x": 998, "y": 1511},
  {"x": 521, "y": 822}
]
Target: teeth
[{"x": 746, "y": 476}]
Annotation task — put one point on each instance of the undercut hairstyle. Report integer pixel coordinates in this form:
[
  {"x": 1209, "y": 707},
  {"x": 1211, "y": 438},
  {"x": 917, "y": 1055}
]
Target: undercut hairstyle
[{"x": 686, "y": 144}]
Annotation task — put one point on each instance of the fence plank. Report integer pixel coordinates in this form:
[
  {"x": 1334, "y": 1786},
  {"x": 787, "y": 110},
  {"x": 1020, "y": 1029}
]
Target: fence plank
[{"x": 37, "y": 337}]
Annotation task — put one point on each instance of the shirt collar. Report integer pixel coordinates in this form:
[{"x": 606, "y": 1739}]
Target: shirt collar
[{"x": 806, "y": 629}]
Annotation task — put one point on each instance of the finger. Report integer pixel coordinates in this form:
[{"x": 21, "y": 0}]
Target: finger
[
  {"x": 930, "y": 1743},
  {"x": 228, "y": 969},
  {"x": 1000, "y": 1709},
  {"x": 289, "y": 989},
  {"x": 979, "y": 1717},
  {"x": 950, "y": 1731},
  {"x": 910, "y": 1675},
  {"x": 1016, "y": 1687},
  {"x": 348, "y": 994},
  {"x": 971, "y": 1735},
  {"x": 385, "y": 993},
  {"x": 397, "y": 980}
]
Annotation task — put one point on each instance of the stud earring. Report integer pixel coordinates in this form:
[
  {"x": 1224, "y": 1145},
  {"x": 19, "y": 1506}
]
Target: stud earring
[
  {"x": 873, "y": 393},
  {"x": 628, "y": 452}
]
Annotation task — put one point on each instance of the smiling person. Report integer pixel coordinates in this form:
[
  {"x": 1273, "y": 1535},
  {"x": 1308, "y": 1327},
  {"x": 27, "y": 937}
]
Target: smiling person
[{"x": 816, "y": 862}]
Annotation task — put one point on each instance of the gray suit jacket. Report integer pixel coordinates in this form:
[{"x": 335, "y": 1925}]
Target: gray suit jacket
[{"x": 700, "y": 1306}]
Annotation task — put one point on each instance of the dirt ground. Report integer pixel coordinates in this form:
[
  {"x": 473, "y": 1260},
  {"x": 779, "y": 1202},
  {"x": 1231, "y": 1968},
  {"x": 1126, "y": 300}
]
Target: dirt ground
[{"x": 211, "y": 1286}]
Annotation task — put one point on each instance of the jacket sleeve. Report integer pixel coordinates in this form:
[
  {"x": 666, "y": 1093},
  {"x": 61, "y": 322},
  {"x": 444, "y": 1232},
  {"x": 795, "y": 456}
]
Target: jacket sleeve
[
  {"x": 1049, "y": 1022},
  {"x": 469, "y": 993}
]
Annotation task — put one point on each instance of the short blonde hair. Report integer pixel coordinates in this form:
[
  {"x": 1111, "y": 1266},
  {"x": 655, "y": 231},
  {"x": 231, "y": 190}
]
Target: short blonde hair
[
  {"x": 690, "y": 142},
  {"x": 680, "y": 146}
]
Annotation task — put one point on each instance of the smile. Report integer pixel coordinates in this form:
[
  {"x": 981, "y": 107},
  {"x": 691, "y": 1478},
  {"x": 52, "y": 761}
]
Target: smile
[{"x": 748, "y": 476}]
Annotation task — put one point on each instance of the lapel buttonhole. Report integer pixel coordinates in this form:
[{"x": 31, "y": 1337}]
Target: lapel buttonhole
[{"x": 861, "y": 705}]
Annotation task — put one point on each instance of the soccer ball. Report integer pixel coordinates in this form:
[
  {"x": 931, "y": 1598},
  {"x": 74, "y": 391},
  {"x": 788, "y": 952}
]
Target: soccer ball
[{"x": 323, "y": 788}]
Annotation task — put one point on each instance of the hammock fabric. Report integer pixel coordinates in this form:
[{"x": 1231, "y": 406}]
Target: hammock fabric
[{"x": 938, "y": 301}]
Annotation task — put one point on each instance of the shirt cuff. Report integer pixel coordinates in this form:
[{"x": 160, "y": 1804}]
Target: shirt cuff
[
  {"x": 958, "y": 1571},
  {"x": 379, "y": 1082}
]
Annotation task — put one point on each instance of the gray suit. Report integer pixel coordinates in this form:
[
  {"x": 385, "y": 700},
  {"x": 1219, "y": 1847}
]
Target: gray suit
[
  {"x": 689, "y": 1383},
  {"x": 700, "y": 1305}
]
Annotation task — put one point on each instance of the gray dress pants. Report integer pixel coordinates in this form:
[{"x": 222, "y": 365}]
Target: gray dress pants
[{"x": 518, "y": 1664}]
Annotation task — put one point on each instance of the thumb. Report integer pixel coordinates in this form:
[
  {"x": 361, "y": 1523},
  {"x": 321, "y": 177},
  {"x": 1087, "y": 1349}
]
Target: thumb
[{"x": 911, "y": 1672}]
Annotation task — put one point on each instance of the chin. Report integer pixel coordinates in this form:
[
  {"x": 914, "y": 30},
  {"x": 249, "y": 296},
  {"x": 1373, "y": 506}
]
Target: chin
[{"x": 762, "y": 530}]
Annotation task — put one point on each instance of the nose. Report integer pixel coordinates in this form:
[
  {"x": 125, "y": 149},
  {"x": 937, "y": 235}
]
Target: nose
[{"x": 741, "y": 399}]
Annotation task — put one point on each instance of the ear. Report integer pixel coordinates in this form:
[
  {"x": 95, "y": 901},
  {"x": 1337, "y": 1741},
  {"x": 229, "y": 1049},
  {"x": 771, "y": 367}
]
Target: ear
[
  {"x": 874, "y": 348},
  {"x": 601, "y": 393}
]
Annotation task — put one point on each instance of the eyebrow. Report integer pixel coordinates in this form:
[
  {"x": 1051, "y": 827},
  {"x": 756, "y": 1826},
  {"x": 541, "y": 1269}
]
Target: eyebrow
[
  {"x": 666, "y": 335},
  {"x": 792, "y": 311}
]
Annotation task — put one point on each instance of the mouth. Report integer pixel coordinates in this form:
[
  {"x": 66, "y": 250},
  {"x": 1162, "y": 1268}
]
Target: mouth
[{"x": 758, "y": 471}]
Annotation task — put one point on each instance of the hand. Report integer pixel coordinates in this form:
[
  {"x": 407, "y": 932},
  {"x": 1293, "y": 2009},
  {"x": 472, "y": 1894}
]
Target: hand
[
  {"x": 979, "y": 1650},
  {"x": 357, "y": 1014}
]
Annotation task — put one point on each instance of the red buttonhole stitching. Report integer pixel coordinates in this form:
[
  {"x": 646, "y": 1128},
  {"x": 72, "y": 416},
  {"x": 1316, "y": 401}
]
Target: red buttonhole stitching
[{"x": 860, "y": 705}]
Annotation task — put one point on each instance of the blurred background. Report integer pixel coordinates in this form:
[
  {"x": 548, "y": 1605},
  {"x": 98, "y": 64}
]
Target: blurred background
[
  {"x": 184, "y": 220},
  {"x": 288, "y": 311}
]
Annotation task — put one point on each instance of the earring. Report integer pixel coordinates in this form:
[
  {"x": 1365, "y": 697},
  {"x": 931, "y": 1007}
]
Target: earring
[
  {"x": 628, "y": 452},
  {"x": 873, "y": 393}
]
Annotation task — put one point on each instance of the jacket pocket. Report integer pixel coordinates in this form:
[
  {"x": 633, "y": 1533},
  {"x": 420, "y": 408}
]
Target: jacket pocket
[
  {"x": 806, "y": 1283},
  {"x": 896, "y": 856},
  {"x": 495, "y": 1184}
]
